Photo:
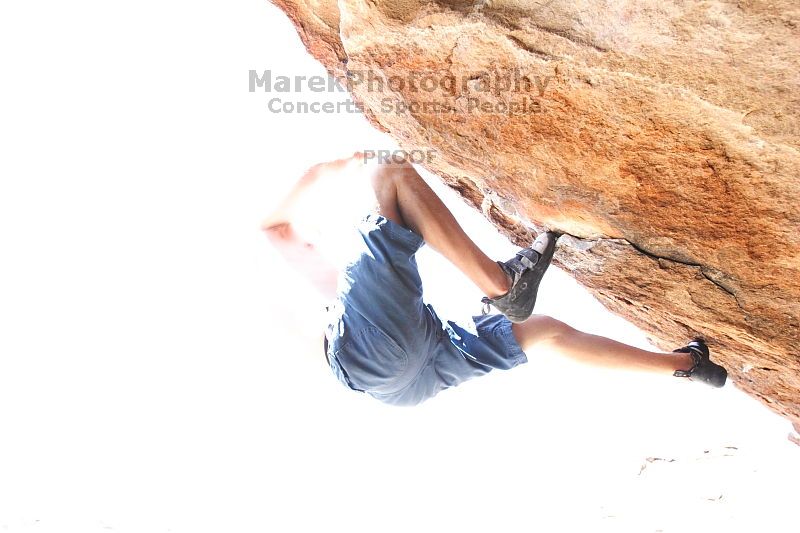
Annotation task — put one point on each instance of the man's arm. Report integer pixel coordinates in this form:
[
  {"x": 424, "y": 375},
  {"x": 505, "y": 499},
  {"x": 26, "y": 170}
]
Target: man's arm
[{"x": 285, "y": 212}]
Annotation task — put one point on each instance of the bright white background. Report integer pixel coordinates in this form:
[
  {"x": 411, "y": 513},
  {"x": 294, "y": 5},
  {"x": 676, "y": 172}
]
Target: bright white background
[{"x": 156, "y": 373}]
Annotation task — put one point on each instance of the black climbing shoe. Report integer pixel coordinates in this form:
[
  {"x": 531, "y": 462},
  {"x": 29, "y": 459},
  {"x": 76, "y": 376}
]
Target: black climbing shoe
[
  {"x": 525, "y": 270},
  {"x": 703, "y": 370}
]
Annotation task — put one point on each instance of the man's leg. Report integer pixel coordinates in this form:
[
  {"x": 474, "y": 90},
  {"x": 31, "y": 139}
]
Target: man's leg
[
  {"x": 405, "y": 198},
  {"x": 542, "y": 331}
]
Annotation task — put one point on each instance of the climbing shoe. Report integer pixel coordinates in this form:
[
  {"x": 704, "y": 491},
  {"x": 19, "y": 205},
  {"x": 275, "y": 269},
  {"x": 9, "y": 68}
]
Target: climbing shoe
[
  {"x": 703, "y": 370},
  {"x": 525, "y": 270}
]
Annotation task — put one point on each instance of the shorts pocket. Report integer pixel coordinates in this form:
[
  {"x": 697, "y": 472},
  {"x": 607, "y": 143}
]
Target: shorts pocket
[{"x": 373, "y": 361}]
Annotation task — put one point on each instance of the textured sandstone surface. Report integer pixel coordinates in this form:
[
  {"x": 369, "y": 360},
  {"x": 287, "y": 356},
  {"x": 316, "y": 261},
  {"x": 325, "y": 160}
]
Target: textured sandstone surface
[{"x": 662, "y": 139}]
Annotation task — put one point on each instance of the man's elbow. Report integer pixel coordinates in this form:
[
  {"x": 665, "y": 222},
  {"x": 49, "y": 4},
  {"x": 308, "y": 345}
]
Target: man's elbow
[{"x": 277, "y": 232}]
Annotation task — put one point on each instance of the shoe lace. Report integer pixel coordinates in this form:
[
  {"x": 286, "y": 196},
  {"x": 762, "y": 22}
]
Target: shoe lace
[
  {"x": 486, "y": 305},
  {"x": 697, "y": 359}
]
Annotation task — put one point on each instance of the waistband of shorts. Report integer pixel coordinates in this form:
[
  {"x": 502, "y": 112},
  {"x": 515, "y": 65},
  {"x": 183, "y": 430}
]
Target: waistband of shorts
[{"x": 396, "y": 230}]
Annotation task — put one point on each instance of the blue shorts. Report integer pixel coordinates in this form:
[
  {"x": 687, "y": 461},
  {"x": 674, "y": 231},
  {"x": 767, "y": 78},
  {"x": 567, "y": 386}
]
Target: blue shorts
[{"x": 384, "y": 341}]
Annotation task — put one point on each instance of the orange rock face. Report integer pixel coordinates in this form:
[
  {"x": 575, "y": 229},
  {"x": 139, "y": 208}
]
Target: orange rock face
[{"x": 661, "y": 137}]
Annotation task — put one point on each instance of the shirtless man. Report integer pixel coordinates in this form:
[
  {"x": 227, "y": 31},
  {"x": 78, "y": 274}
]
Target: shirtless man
[{"x": 381, "y": 338}]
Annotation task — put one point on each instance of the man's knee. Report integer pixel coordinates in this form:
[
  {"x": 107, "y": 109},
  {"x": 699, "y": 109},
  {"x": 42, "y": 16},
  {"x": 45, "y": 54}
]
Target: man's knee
[
  {"x": 539, "y": 329},
  {"x": 385, "y": 174},
  {"x": 386, "y": 179},
  {"x": 556, "y": 329}
]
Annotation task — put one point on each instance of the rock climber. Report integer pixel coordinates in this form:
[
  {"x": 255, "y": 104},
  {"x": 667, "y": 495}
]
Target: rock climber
[{"x": 381, "y": 338}]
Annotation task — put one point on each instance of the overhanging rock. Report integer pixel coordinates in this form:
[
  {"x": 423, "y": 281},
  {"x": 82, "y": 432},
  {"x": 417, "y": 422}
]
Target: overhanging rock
[{"x": 661, "y": 136}]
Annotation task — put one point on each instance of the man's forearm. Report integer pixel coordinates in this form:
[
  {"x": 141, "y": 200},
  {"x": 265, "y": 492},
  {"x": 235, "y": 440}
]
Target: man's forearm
[{"x": 284, "y": 213}]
